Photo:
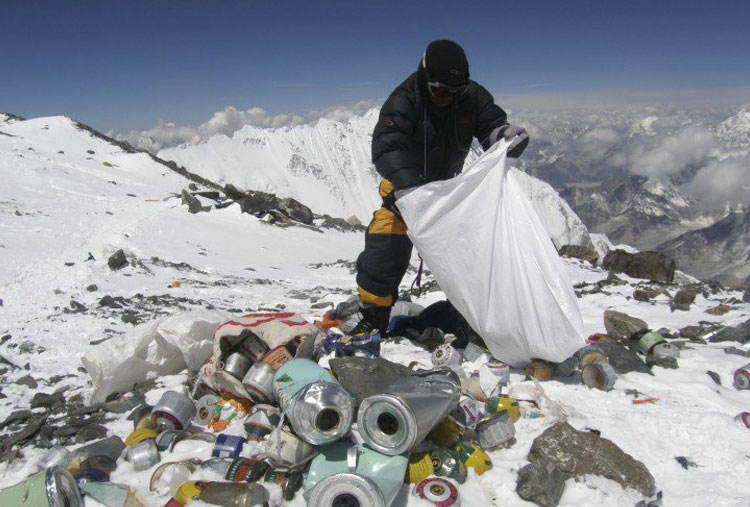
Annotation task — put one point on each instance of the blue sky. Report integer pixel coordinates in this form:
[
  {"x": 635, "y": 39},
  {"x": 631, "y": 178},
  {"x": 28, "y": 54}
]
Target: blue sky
[{"x": 125, "y": 65}]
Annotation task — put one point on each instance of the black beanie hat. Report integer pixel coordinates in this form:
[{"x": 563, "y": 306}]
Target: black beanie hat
[{"x": 445, "y": 62}]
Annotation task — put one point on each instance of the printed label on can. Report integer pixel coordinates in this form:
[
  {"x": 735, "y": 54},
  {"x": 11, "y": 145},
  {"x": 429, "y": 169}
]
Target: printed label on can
[
  {"x": 246, "y": 470},
  {"x": 167, "y": 419},
  {"x": 438, "y": 491}
]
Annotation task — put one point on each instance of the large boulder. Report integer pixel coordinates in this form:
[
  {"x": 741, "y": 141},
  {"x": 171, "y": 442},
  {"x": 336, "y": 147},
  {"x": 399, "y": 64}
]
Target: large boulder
[
  {"x": 621, "y": 325},
  {"x": 646, "y": 294},
  {"x": 579, "y": 252},
  {"x": 579, "y": 453},
  {"x": 623, "y": 359},
  {"x": 684, "y": 298},
  {"x": 296, "y": 210},
  {"x": 653, "y": 266},
  {"x": 739, "y": 333},
  {"x": 192, "y": 202}
]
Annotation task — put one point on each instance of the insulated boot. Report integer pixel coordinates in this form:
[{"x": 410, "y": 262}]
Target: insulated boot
[{"x": 373, "y": 317}]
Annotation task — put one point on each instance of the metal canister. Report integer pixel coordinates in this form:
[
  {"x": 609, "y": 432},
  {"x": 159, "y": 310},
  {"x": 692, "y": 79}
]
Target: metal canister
[
  {"x": 438, "y": 491},
  {"x": 286, "y": 450},
  {"x": 742, "y": 377},
  {"x": 590, "y": 354},
  {"x": 233, "y": 494},
  {"x": 276, "y": 357},
  {"x": 263, "y": 418},
  {"x": 56, "y": 456},
  {"x": 103, "y": 463},
  {"x": 246, "y": 470},
  {"x": 206, "y": 409},
  {"x": 111, "y": 447},
  {"x": 744, "y": 418},
  {"x": 91, "y": 475},
  {"x": 473, "y": 352},
  {"x": 189, "y": 492},
  {"x": 227, "y": 446},
  {"x": 174, "y": 411},
  {"x": 259, "y": 383},
  {"x": 473, "y": 457},
  {"x": 446, "y": 355},
  {"x": 665, "y": 350},
  {"x": 419, "y": 468},
  {"x": 648, "y": 340},
  {"x": 599, "y": 376},
  {"x": 53, "y": 487},
  {"x": 345, "y": 487},
  {"x": 166, "y": 438},
  {"x": 237, "y": 365},
  {"x": 253, "y": 347},
  {"x": 500, "y": 369},
  {"x": 540, "y": 370},
  {"x": 446, "y": 433},
  {"x": 495, "y": 430},
  {"x": 319, "y": 409},
  {"x": 396, "y": 421},
  {"x": 467, "y": 413},
  {"x": 143, "y": 455},
  {"x": 498, "y": 404},
  {"x": 289, "y": 482},
  {"x": 445, "y": 462},
  {"x": 139, "y": 436}
]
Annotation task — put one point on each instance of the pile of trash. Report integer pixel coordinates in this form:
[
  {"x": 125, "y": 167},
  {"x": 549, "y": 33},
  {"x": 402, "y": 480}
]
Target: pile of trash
[{"x": 264, "y": 413}]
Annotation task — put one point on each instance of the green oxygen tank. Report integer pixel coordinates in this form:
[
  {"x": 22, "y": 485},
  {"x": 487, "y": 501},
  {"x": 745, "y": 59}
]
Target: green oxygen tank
[{"x": 53, "y": 487}]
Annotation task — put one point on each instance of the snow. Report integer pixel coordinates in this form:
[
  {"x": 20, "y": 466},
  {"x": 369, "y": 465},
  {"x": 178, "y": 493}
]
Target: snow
[{"x": 69, "y": 207}]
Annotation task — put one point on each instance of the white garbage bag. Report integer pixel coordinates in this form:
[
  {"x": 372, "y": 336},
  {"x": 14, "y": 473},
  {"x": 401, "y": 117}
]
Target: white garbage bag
[{"x": 490, "y": 254}]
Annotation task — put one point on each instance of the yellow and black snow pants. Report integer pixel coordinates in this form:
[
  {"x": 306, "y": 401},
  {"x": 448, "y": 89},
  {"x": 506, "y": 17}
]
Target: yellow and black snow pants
[{"x": 383, "y": 263}]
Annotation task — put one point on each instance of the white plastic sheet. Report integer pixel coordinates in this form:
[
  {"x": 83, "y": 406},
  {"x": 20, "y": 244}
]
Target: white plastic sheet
[{"x": 489, "y": 252}]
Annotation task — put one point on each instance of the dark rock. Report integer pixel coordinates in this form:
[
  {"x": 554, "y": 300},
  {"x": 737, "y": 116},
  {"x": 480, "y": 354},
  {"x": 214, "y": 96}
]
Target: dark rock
[
  {"x": 117, "y": 260},
  {"x": 612, "y": 279},
  {"x": 193, "y": 186},
  {"x": 121, "y": 405},
  {"x": 541, "y": 482},
  {"x": 234, "y": 193},
  {"x": 735, "y": 350},
  {"x": 77, "y": 307},
  {"x": 714, "y": 376},
  {"x": 111, "y": 302},
  {"x": 210, "y": 194},
  {"x": 649, "y": 265},
  {"x": 719, "y": 310},
  {"x": 623, "y": 359},
  {"x": 579, "y": 252},
  {"x": 193, "y": 204},
  {"x": 745, "y": 296},
  {"x": 31, "y": 429},
  {"x": 665, "y": 362},
  {"x": 92, "y": 288},
  {"x": 258, "y": 203},
  {"x": 27, "y": 347},
  {"x": 646, "y": 294},
  {"x": 5, "y": 337},
  {"x": 296, "y": 210},
  {"x": 692, "y": 332},
  {"x": 364, "y": 376},
  {"x": 16, "y": 416},
  {"x": 28, "y": 381},
  {"x": 622, "y": 326},
  {"x": 70, "y": 264},
  {"x": 739, "y": 333},
  {"x": 90, "y": 432},
  {"x": 54, "y": 379},
  {"x": 684, "y": 298},
  {"x": 47, "y": 400},
  {"x": 130, "y": 317},
  {"x": 684, "y": 462},
  {"x": 581, "y": 452},
  {"x": 90, "y": 409},
  {"x": 90, "y": 152}
]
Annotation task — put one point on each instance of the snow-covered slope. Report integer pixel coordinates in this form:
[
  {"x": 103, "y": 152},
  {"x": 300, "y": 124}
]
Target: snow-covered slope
[{"x": 735, "y": 130}]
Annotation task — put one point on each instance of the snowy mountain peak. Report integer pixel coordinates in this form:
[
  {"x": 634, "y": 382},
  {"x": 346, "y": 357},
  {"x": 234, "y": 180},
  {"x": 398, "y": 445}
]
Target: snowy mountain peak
[{"x": 735, "y": 130}]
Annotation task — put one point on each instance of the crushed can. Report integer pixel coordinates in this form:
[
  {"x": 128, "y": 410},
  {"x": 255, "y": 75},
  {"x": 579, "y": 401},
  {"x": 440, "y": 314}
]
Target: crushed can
[
  {"x": 253, "y": 347},
  {"x": 344, "y": 471},
  {"x": 395, "y": 421},
  {"x": 143, "y": 455},
  {"x": 227, "y": 446},
  {"x": 139, "y": 416},
  {"x": 648, "y": 340},
  {"x": 289, "y": 482},
  {"x": 237, "y": 365},
  {"x": 419, "y": 468},
  {"x": 445, "y": 462},
  {"x": 742, "y": 377},
  {"x": 467, "y": 413},
  {"x": 263, "y": 418},
  {"x": 495, "y": 430},
  {"x": 447, "y": 433},
  {"x": 286, "y": 450},
  {"x": 246, "y": 470},
  {"x": 233, "y": 494},
  {"x": 472, "y": 456},
  {"x": 438, "y": 491},
  {"x": 276, "y": 357},
  {"x": 498, "y": 404},
  {"x": 259, "y": 383},
  {"x": 166, "y": 438},
  {"x": 599, "y": 376},
  {"x": 53, "y": 487},
  {"x": 665, "y": 350},
  {"x": 319, "y": 409},
  {"x": 174, "y": 411},
  {"x": 139, "y": 436}
]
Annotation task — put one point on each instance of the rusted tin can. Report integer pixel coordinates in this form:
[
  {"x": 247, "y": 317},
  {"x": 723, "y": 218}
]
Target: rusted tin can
[
  {"x": 539, "y": 370},
  {"x": 53, "y": 487},
  {"x": 174, "y": 411},
  {"x": 233, "y": 494},
  {"x": 237, "y": 365},
  {"x": 143, "y": 455},
  {"x": 599, "y": 376},
  {"x": 227, "y": 446},
  {"x": 253, "y": 347},
  {"x": 495, "y": 430},
  {"x": 438, "y": 491},
  {"x": 259, "y": 383},
  {"x": 276, "y": 357},
  {"x": 445, "y": 462},
  {"x": 742, "y": 377}
]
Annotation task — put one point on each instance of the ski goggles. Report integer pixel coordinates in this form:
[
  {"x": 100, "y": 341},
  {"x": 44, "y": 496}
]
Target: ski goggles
[{"x": 443, "y": 90}]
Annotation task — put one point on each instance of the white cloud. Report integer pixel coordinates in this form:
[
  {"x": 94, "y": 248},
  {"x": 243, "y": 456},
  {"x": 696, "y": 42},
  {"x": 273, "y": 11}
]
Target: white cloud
[
  {"x": 687, "y": 147},
  {"x": 722, "y": 182}
]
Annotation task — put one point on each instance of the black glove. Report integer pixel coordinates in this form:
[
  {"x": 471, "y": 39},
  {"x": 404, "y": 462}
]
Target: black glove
[{"x": 517, "y": 135}]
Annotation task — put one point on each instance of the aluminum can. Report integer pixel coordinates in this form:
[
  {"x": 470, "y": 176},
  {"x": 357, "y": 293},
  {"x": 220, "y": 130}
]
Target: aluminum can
[
  {"x": 665, "y": 350},
  {"x": 53, "y": 487},
  {"x": 263, "y": 418},
  {"x": 396, "y": 421},
  {"x": 473, "y": 352},
  {"x": 500, "y": 370},
  {"x": 648, "y": 340},
  {"x": 289, "y": 482},
  {"x": 259, "y": 383},
  {"x": 495, "y": 430},
  {"x": 742, "y": 377},
  {"x": 473, "y": 457},
  {"x": 139, "y": 436},
  {"x": 445, "y": 462},
  {"x": 539, "y": 370},
  {"x": 446, "y": 355},
  {"x": 143, "y": 455},
  {"x": 467, "y": 413},
  {"x": 253, "y": 347},
  {"x": 237, "y": 365},
  {"x": 285, "y": 450},
  {"x": 446, "y": 433},
  {"x": 498, "y": 404},
  {"x": 233, "y": 494},
  {"x": 174, "y": 411},
  {"x": 205, "y": 409},
  {"x": 276, "y": 357},
  {"x": 438, "y": 491},
  {"x": 419, "y": 468},
  {"x": 599, "y": 376},
  {"x": 744, "y": 418},
  {"x": 227, "y": 446},
  {"x": 319, "y": 409},
  {"x": 246, "y": 470}
]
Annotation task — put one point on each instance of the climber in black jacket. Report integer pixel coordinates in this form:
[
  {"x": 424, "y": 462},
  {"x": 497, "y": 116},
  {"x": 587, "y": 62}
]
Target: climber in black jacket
[{"x": 423, "y": 134}]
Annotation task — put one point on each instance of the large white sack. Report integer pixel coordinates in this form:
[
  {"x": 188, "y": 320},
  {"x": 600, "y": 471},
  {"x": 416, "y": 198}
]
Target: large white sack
[
  {"x": 171, "y": 344},
  {"x": 490, "y": 254}
]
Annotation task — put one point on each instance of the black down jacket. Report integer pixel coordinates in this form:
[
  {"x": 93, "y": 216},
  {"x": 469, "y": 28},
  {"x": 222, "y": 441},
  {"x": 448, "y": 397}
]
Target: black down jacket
[{"x": 415, "y": 142}]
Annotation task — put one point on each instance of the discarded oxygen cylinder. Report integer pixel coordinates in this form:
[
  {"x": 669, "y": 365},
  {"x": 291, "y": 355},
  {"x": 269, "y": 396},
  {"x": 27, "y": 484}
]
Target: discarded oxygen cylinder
[
  {"x": 233, "y": 494},
  {"x": 143, "y": 455},
  {"x": 286, "y": 450},
  {"x": 665, "y": 350},
  {"x": 344, "y": 474},
  {"x": 261, "y": 420},
  {"x": 648, "y": 341},
  {"x": 53, "y": 487},
  {"x": 438, "y": 491},
  {"x": 174, "y": 411},
  {"x": 259, "y": 383},
  {"x": 742, "y": 377},
  {"x": 396, "y": 421},
  {"x": 111, "y": 447},
  {"x": 495, "y": 430},
  {"x": 445, "y": 463},
  {"x": 319, "y": 409},
  {"x": 237, "y": 365},
  {"x": 599, "y": 376}
]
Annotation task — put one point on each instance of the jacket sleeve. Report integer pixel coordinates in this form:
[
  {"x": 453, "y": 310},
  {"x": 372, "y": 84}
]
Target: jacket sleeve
[
  {"x": 490, "y": 116},
  {"x": 393, "y": 151}
]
